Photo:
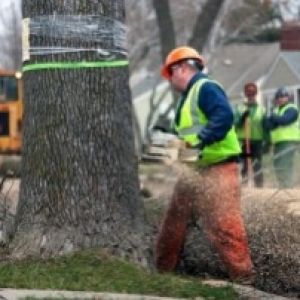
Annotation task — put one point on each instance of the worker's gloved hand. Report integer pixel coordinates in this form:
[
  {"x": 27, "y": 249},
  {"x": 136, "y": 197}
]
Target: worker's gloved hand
[
  {"x": 245, "y": 114},
  {"x": 274, "y": 119},
  {"x": 269, "y": 125},
  {"x": 191, "y": 152},
  {"x": 199, "y": 146}
]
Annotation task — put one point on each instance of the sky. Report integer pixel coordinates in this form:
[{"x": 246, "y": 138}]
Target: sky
[{"x": 289, "y": 8}]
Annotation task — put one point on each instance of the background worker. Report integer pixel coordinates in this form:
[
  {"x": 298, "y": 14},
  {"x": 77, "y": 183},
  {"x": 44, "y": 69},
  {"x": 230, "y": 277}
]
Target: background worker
[
  {"x": 250, "y": 125},
  {"x": 204, "y": 121},
  {"x": 285, "y": 136}
]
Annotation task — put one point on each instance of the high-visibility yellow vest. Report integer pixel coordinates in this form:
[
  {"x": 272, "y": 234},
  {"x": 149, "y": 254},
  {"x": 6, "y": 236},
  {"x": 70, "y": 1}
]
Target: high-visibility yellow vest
[
  {"x": 286, "y": 133},
  {"x": 192, "y": 120},
  {"x": 255, "y": 121}
]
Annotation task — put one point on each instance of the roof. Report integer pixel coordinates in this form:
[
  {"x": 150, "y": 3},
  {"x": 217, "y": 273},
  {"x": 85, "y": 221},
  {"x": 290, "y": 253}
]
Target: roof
[
  {"x": 284, "y": 71},
  {"x": 293, "y": 61},
  {"x": 235, "y": 64}
]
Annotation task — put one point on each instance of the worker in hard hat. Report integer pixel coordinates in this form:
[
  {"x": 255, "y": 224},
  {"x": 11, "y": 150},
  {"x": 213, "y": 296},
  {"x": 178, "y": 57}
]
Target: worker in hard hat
[
  {"x": 204, "y": 121},
  {"x": 250, "y": 125},
  {"x": 285, "y": 136}
]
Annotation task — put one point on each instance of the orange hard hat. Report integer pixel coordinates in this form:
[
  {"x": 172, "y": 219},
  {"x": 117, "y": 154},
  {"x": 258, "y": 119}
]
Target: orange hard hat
[
  {"x": 250, "y": 89},
  {"x": 177, "y": 55}
]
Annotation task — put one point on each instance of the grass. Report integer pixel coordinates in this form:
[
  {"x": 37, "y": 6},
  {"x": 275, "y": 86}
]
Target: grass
[
  {"x": 98, "y": 272},
  {"x": 33, "y": 298}
]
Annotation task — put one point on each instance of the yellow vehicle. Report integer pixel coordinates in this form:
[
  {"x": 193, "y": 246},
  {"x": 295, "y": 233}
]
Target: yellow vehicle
[{"x": 11, "y": 111}]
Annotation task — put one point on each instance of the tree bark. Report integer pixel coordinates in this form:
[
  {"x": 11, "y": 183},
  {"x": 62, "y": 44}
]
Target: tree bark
[
  {"x": 80, "y": 184},
  {"x": 165, "y": 25},
  {"x": 167, "y": 39},
  {"x": 204, "y": 23}
]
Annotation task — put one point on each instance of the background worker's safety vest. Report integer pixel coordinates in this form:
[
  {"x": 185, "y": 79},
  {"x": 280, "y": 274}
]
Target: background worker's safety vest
[
  {"x": 192, "y": 120},
  {"x": 286, "y": 133},
  {"x": 256, "y": 122}
]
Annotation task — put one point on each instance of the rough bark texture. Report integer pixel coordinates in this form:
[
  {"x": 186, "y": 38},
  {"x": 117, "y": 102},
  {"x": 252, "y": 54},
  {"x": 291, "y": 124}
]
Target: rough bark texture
[
  {"x": 204, "y": 23},
  {"x": 79, "y": 175},
  {"x": 165, "y": 25}
]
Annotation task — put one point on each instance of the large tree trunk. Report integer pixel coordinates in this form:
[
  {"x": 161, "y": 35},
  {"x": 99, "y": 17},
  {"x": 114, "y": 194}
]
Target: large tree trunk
[{"x": 79, "y": 174}]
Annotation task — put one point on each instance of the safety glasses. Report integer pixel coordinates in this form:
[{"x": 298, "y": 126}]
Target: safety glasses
[{"x": 173, "y": 68}]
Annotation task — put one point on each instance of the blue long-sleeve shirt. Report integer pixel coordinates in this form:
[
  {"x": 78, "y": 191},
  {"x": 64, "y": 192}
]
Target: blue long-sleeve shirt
[
  {"x": 214, "y": 103},
  {"x": 289, "y": 116}
]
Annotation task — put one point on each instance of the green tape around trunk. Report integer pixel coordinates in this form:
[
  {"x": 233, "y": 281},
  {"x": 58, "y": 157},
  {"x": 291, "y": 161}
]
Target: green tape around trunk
[{"x": 75, "y": 65}]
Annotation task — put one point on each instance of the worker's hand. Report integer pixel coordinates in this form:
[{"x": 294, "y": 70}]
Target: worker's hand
[
  {"x": 199, "y": 146},
  {"x": 245, "y": 115},
  {"x": 197, "y": 149},
  {"x": 176, "y": 143},
  {"x": 188, "y": 145},
  {"x": 273, "y": 119}
]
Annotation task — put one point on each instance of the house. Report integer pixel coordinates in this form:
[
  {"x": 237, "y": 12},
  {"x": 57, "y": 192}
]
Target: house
[
  {"x": 235, "y": 64},
  {"x": 269, "y": 65},
  {"x": 285, "y": 71}
]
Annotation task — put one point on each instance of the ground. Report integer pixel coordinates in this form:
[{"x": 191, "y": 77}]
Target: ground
[{"x": 265, "y": 212}]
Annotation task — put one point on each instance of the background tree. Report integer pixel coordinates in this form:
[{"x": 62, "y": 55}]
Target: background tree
[
  {"x": 79, "y": 174},
  {"x": 10, "y": 34},
  {"x": 165, "y": 25},
  {"x": 252, "y": 22},
  {"x": 204, "y": 23},
  {"x": 167, "y": 43}
]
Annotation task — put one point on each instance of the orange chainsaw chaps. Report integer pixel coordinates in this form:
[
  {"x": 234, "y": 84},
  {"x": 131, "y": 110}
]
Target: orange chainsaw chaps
[
  {"x": 219, "y": 207},
  {"x": 223, "y": 221},
  {"x": 173, "y": 230}
]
